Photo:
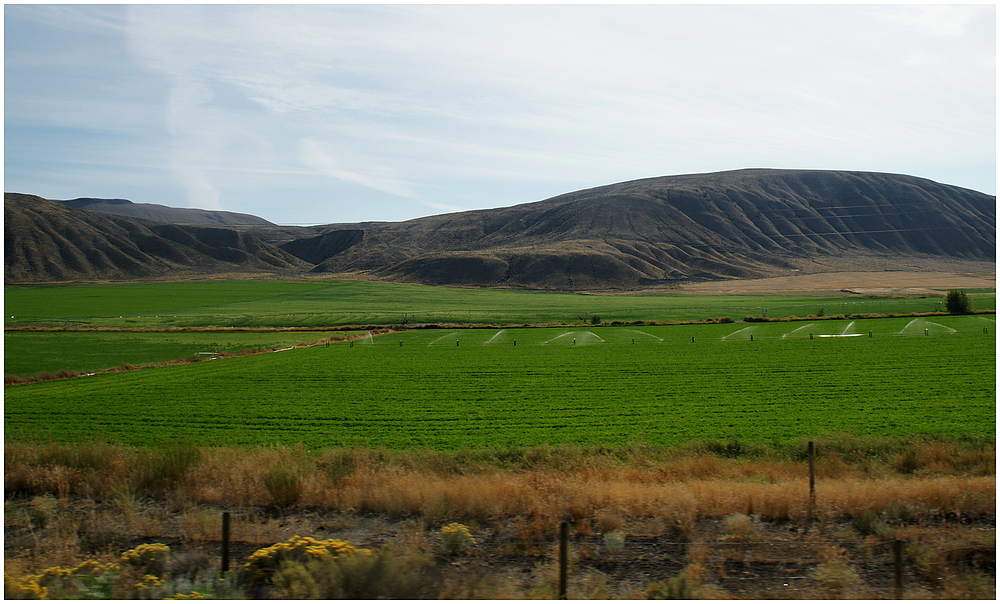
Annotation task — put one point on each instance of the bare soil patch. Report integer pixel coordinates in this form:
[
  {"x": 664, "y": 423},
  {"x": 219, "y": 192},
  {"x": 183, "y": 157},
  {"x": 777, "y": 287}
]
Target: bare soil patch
[{"x": 881, "y": 283}]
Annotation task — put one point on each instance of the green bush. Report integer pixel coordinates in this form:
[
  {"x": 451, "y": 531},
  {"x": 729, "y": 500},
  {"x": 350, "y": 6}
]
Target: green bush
[{"x": 957, "y": 303}]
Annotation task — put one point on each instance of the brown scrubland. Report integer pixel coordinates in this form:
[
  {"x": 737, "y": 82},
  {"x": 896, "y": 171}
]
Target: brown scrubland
[{"x": 705, "y": 520}]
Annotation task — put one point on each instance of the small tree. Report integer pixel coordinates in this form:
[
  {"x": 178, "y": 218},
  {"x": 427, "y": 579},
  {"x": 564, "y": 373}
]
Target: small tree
[
  {"x": 958, "y": 303},
  {"x": 595, "y": 320}
]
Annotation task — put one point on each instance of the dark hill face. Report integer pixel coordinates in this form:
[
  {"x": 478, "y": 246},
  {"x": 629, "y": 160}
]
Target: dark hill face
[
  {"x": 47, "y": 241},
  {"x": 160, "y": 213},
  {"x": 740, "y": 224}
]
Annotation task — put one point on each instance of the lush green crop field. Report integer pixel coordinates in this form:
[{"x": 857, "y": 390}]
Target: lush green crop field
[
  {"x": 476, "y": 388},
  {"x": 325, "y": 303},
  {"x": 27, "y": 353}
]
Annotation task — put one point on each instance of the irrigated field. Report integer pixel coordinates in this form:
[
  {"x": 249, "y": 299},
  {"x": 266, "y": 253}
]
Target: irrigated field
[
  {"x": 316, "y": 303},
  {"x": 27, "y": 353},
  {"x": 589, "y": 385}
]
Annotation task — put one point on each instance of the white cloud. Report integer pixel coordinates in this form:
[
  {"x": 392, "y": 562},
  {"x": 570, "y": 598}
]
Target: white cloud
[
  {"x": 357, "y": 170},
  {"x": 937, "y": 19}
]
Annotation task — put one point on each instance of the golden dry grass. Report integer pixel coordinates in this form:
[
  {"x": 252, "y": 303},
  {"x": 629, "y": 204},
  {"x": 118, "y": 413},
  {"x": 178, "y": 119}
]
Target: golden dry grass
[{"x": 939, "y": 477}]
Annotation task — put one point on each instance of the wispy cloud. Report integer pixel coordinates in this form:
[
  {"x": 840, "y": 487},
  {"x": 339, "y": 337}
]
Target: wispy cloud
[
  {"x": 324, "y": 159},
  {"x": 456, "y": 106}
]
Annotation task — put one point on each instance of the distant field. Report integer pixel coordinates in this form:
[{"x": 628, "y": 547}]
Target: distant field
[
  {"x": 448, "y": 389},
  {"x": 332, "y": 303},
  {"x": 28, "y": 353}
]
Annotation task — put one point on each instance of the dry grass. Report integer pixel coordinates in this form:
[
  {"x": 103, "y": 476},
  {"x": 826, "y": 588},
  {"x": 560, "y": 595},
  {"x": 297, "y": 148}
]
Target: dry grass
[
  {"x": 939, "y": 478},
  {"x": 73, "y": 502}
]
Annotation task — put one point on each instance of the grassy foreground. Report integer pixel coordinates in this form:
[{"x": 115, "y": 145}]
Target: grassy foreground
[{"x": 645, "y": 521}]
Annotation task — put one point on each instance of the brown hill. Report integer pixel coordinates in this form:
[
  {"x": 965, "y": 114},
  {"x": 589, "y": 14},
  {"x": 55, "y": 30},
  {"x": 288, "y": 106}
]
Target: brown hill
[
  {"x": 655, "y": 231},
  {"x": 47, "y": 241},
  {"x": 739, "y": 224},
  {"x": 160, "y": 213}
]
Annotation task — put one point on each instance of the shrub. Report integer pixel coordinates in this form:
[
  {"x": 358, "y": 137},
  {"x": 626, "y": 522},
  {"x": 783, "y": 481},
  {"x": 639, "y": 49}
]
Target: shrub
[
  {"x": 89, "y": 580},
  {"x": 836, "y": 575},
  {"x": 869, "y": 522},
  {"x": 158, "y": 471},
  {"x": 42, "y": 510},
  {"x": 148, "y": 557},
  {"x": 265, "y": 562},
  {"x": 284, "y": 486},
  {"x": 456, "y": 538},
  {"x": 685, "y": 586},
  {"x": 595, "y": 320},
  {"x": 359, "y": 575},
  {"x": 957, "y": 303},
  {"x": 737, "y": 526},
  {"x": 614, "y": 542}
]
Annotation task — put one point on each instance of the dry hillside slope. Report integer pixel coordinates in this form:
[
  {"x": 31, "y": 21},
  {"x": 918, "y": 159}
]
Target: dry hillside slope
[
  {"x": 743, "y": 224},
  {"x": 46, "y": 241},
  {"x": 673, "y": 229}
]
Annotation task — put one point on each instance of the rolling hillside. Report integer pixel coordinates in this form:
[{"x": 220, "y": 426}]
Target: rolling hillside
[
  {"x": 738, "y": 224},
  {"x": 47, "y": 241}
]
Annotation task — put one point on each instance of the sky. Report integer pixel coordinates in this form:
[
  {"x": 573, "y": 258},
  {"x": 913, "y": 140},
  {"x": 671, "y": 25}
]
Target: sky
[{"x": 319, "y": 114}]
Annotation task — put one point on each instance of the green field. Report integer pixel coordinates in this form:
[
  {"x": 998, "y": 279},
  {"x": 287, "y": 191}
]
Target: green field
[
  {"x": 331, "y": 303},
  {"x": 454, "y": 388},
  {"x": 27, "y": 353}
]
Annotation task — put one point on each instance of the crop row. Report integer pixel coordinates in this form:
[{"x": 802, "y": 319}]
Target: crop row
[{"x": 445, "y": 396}]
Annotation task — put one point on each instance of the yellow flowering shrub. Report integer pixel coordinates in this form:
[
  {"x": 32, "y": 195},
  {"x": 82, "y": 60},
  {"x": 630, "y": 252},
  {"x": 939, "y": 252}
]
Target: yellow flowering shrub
[
  {"x": 149, "y": 582},
  {"x": 456, "y": 537},
  {"x": 194, "y": 595},
  {"x": 36, "y": 587},
  {"x": 264, "y": 562},
  {"x": 27, "y": 588},
  {"x": 146, "y": 555}
]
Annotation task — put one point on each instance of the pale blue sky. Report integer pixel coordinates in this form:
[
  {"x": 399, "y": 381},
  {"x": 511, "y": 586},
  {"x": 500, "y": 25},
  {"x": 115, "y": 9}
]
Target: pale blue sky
[{"x": 317, "y": 114}]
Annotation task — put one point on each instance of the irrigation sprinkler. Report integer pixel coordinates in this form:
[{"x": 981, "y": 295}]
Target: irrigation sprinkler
[
  {"x": 692, "y": 339},
  {"x": 456, "y": 342}
]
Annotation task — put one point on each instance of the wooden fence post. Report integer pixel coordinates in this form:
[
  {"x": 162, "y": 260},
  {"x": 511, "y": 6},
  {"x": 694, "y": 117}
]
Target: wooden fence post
[
  {"x": 225, "y": 542},
  {"x": 812, "y": 484},
  {"x": 563, "y": 557},
  {"x": 897, "y": 555}
]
